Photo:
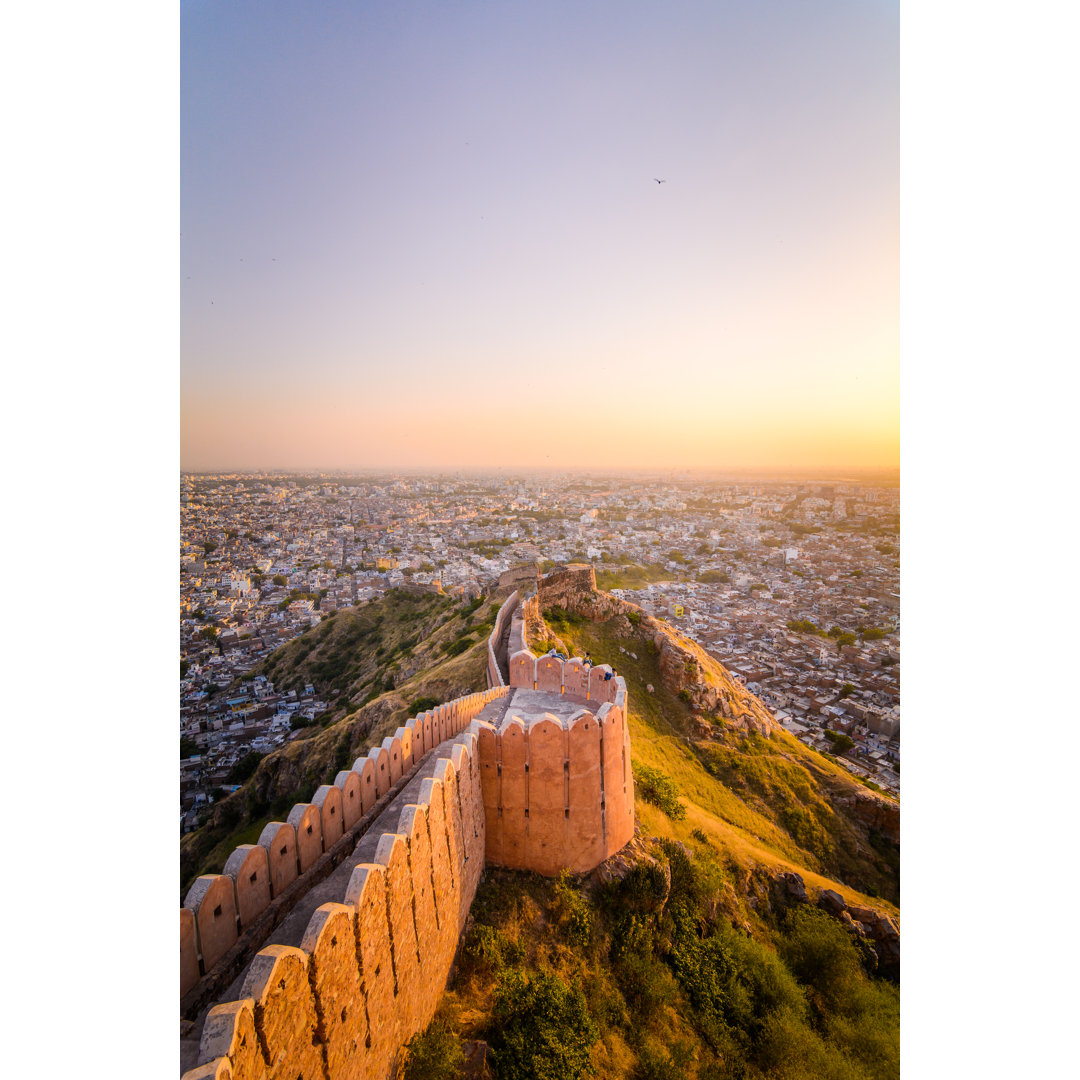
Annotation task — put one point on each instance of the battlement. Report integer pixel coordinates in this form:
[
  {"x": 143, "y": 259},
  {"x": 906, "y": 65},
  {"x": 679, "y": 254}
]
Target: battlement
[
  {"x": 534, "y": 773},
  {"x": 219, "y": 907}
]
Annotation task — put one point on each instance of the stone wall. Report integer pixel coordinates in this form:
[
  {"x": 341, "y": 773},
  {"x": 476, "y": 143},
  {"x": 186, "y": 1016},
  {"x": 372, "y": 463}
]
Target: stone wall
[
  {"x": 558, "y": 794},
  {"x": 506, "y": 613},
  {"x": 370, "y": 969},
  {"x": 221, "y": 906}
]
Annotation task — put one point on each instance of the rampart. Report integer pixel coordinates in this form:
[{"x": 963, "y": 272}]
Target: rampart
[
  {"x": 218, "y": 908},
  {"x": 370, "y": 969},
  {"x": 534, "y": 774},
  {"x": 557, "y": 784}
]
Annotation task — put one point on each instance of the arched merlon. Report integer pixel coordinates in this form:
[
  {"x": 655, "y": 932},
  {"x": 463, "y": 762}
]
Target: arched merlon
[
  {"x": 278, "y": 981},
  {"x": 328, "y": 799},
  {"x": 279, "y": 839},
  {"x": 348, "y": 782},
  {"x": 229, "y": 1034},
  {"x": 249, "y": 868},
  {"x": 212, "y": 900},
  {"x": 306, "y": 819}
]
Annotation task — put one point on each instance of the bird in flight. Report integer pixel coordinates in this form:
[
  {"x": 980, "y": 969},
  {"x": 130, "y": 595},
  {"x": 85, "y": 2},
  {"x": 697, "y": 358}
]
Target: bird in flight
[{"x": 660, "y": 181}]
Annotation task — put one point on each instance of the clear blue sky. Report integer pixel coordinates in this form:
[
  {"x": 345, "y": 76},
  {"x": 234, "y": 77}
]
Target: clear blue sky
[{"x": 392, "y": 214}]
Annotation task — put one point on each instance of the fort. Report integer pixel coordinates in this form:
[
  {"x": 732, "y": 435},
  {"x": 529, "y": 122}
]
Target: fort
[{"x": 356, "y": 903}]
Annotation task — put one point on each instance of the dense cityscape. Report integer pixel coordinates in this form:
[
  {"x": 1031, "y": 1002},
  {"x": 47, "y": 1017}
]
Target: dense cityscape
[{"x": 792, "y": 585}]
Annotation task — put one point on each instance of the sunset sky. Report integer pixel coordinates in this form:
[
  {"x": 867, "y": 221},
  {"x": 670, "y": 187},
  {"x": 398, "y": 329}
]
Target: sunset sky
[{"x": 430, "y": 234}]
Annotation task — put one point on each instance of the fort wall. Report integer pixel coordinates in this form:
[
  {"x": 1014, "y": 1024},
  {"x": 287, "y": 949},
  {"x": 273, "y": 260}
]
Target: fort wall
[
  {"x": 223, "y": 905},
  {"x": 370, "y": 969},
  {"x": 418, "y": 817},
  {"x": 558, "y": 794}
]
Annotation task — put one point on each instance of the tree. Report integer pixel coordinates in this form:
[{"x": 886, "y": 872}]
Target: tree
[
  {"x": 845, "y": 639},
  {"x": 847, "y": 689},
  {"x": 280, "y": 579},
  {"x": 188, "y": 747},
  {"x": 841, "y": 742}
]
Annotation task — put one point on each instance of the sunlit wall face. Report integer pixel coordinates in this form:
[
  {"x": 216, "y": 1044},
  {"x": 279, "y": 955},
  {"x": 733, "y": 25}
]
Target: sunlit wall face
[{"x": 403, "y": 228}]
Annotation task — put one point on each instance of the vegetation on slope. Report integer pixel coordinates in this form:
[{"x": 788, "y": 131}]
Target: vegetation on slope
[
  {"x": 648, "y": 978},
  {"x": 769, "y": 801},
  {"x": 381, "y": 661}
]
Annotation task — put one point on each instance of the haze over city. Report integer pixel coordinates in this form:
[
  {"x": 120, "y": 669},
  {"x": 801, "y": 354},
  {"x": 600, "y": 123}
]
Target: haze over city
[{"x": 402, "y": 228}]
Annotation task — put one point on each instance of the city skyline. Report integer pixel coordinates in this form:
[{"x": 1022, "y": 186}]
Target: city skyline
[{"x": 399, "y": 229}]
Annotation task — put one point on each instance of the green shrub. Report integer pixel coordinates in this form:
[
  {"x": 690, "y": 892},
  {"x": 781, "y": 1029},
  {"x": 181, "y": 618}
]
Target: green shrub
[
  {"x": 434, "y": 1054},
  {"x": 659, "y": 789},
  {"x": 571, "y": 911},
  {"x": 490, "y": 947},
  {"x": 821, "y": 955},
  {"x": 544, "y": 1030},
  {"x": 422, "y": 704}
]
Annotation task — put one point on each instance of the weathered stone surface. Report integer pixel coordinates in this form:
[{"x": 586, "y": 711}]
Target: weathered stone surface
[
  {"x": 212, "y": 900},
  {"x": 832, "y": 901},
  {"x": 370, "y": 971}
]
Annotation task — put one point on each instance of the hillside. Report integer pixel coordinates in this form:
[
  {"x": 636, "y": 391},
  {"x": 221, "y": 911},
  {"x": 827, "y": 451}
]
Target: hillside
[
  {"x": 748, "y": 931},
  {"x": 372, "y": 664},
  {"x": 750, "y": 928},
  {"x": 759, "y": 793}
]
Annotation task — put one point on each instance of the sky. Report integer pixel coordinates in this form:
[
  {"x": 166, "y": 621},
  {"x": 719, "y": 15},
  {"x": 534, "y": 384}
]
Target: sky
[{"x": 430, "y": 235}]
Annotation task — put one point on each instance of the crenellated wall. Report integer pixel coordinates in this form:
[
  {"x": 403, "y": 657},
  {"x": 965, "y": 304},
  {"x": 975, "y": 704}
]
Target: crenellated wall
[
  {"x": 558, "y": 793},
  {"x": 222, "y": 906},
  {"x": 538, "y": 781},
  {"x": 505, "y": 615},
  {"x": 370, "y": 969}
]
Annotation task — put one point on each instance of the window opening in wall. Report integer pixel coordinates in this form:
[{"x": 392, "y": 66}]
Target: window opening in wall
[
  {"x": 285, "y": 850},
  {"x": 526, "y": 811},
  {"x": 217, "y": 911},
  {"x": 254, "y": 877},
  {"x": 333, "y": 810},
  {"x": 309, "y": 830}
]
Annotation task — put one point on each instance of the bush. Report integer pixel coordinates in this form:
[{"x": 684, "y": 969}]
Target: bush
[
  {"x": 821, "y": 955},
  {"x": 839, "y": 740},
  {"x": 434, "y": 1054},
  {"x": 422, "y": 704},
  {"x": 544, "y": 1028},
  {"x": 659, "y": 789},
  {"x": 572, "y": 912}
]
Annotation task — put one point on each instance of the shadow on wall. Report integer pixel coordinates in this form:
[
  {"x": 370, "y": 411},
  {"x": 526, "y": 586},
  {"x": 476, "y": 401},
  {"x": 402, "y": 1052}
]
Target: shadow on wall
[{"x": 218, "y": 907}]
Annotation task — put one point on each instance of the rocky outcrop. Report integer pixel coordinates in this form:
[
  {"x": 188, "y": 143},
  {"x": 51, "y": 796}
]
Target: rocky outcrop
[
  {"x": 685, "y": 668},
  {"x": 875, "y": 811},
  {"x": 874, "y": 932}
]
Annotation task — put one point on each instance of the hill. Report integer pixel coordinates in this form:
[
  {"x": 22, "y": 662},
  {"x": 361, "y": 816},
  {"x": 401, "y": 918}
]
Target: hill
[
  {"x": 700, "y": 950},
  {"x": 373, "y": 664},
  {"x": 750, "y": 928}
]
